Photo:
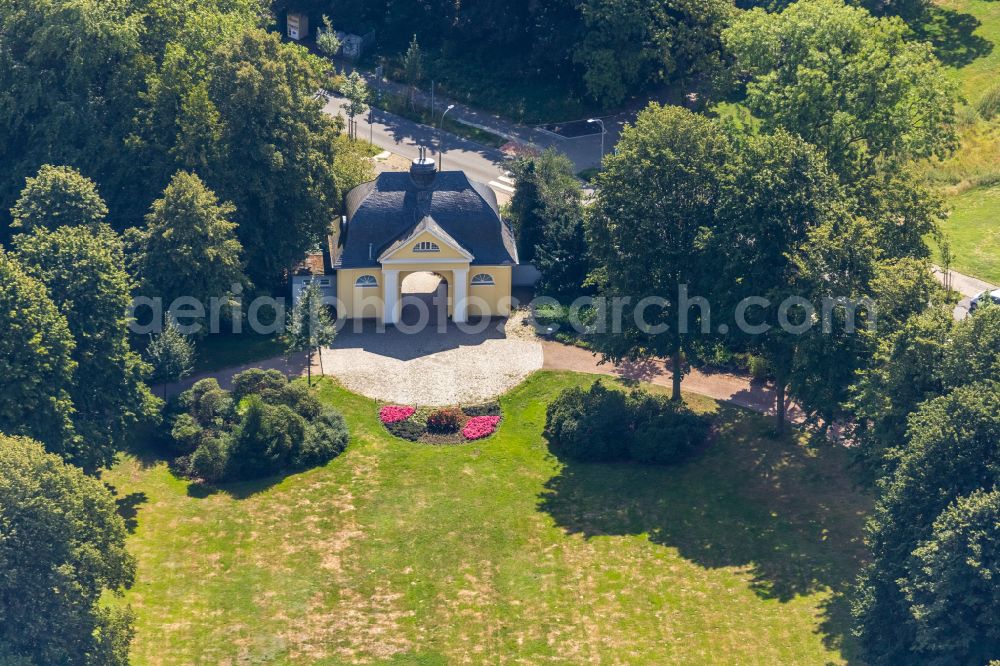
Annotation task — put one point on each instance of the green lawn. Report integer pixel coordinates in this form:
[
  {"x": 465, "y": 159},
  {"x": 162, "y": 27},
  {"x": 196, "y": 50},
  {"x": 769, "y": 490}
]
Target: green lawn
[
  {"x": 974, "y": 231},
  {"x": 402, "y": 553},
  {"x": 968, "y": 37}
]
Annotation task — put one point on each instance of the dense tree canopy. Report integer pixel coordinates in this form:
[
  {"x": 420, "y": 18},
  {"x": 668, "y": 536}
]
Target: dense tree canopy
[
  {"x": 62, "y": 546},
  {"x": 952, "y": 587},
  {"x": 36, "y": 361},
  {"x": 58, "y": 196},
  {"x": 188, "y": 246},
  {"x": 83, "y": 269},
  {"x": 69, "y": 76},
  {"x": 844, "y": 81},
  {"x": 780, "y": 192},
  {"x": 629, "y": 44},
  {"x": 656, "y": 203},
  {"x": 547, "y": 214},
  {"x": 952, "y": 452}
]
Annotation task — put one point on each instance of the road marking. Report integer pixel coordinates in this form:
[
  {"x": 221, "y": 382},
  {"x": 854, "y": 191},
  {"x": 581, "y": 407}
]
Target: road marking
[{"x": 500, "y": 186}]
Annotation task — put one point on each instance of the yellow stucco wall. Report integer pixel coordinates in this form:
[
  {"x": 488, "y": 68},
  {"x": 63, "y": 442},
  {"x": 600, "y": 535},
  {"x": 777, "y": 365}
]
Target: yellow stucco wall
[
  {"x": 367, "y": 303},
  {"x": 359, "y": 302},
  {"x": 445, "y": 251},
  {"x": 495, "y": 298}
]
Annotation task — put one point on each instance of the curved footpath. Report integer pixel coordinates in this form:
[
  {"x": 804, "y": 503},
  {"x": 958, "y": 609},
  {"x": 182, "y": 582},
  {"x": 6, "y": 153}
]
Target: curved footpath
[{"x": 737, "y": 389}]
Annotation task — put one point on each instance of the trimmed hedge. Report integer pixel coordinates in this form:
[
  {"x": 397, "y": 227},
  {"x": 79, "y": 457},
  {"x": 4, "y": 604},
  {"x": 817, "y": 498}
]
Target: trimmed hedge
[{"x": 604, "y": 425}]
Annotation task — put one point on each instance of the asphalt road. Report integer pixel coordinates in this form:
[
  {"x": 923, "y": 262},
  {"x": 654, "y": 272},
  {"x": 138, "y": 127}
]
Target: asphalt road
[{"x": 405, "y": 137}]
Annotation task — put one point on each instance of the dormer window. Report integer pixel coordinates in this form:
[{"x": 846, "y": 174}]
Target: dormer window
[{"x": 426, "y": 246}]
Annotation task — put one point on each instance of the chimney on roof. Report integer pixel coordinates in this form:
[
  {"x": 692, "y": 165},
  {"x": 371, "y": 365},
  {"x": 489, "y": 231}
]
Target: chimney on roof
[{"x": 423, "y": 171}]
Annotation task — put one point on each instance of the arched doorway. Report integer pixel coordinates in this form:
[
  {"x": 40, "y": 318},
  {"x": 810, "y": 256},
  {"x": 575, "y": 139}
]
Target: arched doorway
[{"x": 424, "y": 292}]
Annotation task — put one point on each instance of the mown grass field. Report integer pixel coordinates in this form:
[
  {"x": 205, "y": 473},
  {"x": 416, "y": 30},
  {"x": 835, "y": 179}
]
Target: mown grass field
[
  {"x": 968, "y": 39},
  {"x": 494, "y": 552}
]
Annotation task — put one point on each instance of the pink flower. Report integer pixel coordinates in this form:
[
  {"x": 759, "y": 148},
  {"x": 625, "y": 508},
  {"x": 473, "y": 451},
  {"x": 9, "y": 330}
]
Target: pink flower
[
  {"x": 395, "y": 413},
  {"x": 480, "y": 426}
]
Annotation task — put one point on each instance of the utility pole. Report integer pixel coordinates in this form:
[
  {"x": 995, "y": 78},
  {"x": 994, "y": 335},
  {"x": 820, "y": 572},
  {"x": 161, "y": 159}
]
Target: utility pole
[{"x": 432, "y": 98}]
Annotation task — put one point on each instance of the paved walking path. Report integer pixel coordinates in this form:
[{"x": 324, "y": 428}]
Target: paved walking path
[{"x": 737, "y": 389}]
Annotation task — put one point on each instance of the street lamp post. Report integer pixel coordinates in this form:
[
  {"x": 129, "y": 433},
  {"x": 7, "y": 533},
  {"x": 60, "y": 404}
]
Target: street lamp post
[
  {"x": 598, "y": 121},
  {"x": 441, "y": 136}
]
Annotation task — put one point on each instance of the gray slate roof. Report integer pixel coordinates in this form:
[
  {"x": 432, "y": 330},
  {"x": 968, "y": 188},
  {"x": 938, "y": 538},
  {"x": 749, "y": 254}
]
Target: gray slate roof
[{"x": 387, "y": 209}]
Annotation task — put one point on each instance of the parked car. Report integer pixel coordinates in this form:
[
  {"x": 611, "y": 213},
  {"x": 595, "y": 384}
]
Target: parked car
[{"x": 981, "y": 298}]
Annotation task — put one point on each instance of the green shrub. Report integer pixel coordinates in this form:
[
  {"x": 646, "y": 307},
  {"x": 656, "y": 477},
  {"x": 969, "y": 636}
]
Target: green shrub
[
  {"x": 210, "y": 460},
  {"x": 665, "y": 432},
  {"x": 989, "y": 104},
  {"x": 410, "y": 429},
  {"x": 279, "y": 426},
  {"x": 299, "y": 398},
  {"x": 268, "y": 384},
  {"x": 759, "y": 367},
  {"x": 603, "y": 425},
  {"x": 326, "y": 438},
  {"x": 444, "y": 421},
  {"x": 207, "y": 402},
  {"x": 187, "y": 433},
  {"x": 588, "y": 426},
  {"x": 267, "y": 440}
]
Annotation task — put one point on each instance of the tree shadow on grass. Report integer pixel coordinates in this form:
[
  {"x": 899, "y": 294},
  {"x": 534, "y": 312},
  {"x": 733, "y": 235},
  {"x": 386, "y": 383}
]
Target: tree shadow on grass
[
  {"x": 950, "y": 33},
  {"x": 238, "y": 490},
  {"x": 128, "y": 506},
  {"x": 789, "y": 514}
]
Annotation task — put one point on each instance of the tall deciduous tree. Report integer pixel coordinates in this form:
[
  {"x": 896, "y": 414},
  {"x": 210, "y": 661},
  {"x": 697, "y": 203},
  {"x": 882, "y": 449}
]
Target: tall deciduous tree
[
  {"x": 188, "y": 246},
  {"x": 83, "y": 270},
  {"x": 68, "y": 72},
  {"x": 278, "y": 166},
  {"x": 355, "y": 89},
  {"x": 630, "y": 44},
  {"x": 780, "y": 192},
  {"x": 62, "y": 547},
  {"x": 845, "y": 81},
  {"x": 36, "y": 362},
  {"x": 952, "y": 587},
  {"x": 655, "y": 209},
  {"x": 547, "y": 214},
  {"x": 951, "y": 453},
  {"x": 310, "y": 326},
  {"x": 58, "y": 196},
  {"x": 857, "y": 87}
]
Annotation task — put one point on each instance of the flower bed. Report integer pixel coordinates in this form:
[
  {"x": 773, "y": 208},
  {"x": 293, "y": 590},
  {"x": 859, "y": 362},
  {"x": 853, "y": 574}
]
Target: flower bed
[
  {"x": 395, "y": 414},
  {"x": 449, "y": 425},
  {"x": 480, "y": 426}
]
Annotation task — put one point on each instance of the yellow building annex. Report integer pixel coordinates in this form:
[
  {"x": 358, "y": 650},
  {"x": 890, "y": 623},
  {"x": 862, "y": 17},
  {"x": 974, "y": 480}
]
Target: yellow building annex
[{"x": 422, "y": 221}]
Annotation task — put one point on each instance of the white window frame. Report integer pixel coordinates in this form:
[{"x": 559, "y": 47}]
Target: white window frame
[
  {"x": 426, "y": 246},
  {"x": 483, "y": 280},
  {"x": 363, "y": 283}
]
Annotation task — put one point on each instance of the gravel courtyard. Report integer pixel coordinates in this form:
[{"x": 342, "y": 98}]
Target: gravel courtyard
[{"x": 431, "y": 367}]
